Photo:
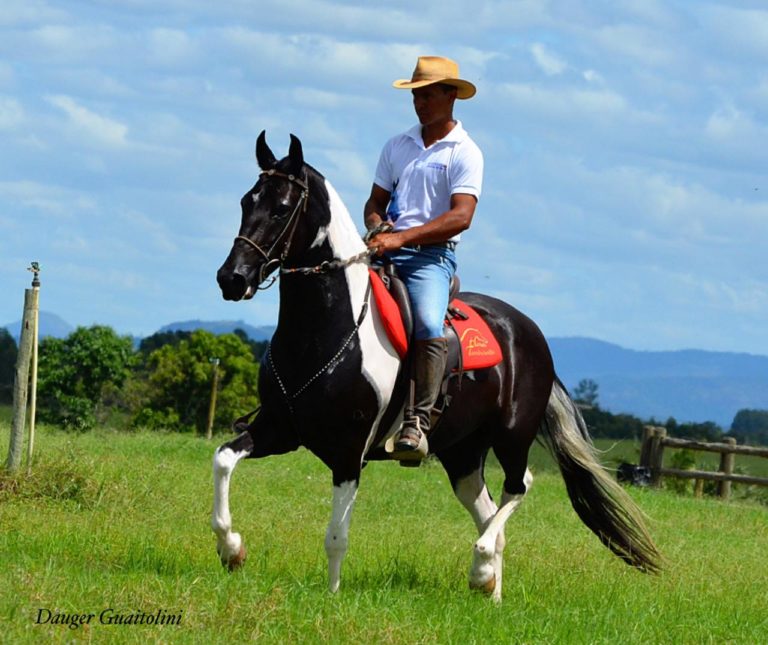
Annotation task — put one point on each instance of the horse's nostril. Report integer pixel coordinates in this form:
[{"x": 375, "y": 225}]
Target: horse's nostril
[{"x": 232, "y": 285}]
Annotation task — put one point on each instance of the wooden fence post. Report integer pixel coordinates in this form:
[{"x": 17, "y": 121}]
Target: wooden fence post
[
  {"x": 727, "y": 460},
  {"x": 212, "y": 406},
  {"x": 657, "y": 455},
  {"x": 645, "y": 446},
  {"x": 35, "y": 268},
  {"x": 21, "y": 381}
]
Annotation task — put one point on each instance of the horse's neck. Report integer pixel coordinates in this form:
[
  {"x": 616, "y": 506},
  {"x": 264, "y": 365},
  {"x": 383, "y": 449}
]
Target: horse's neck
[
  {"x": 341, "y": 233},
  {"x": 314, "y": 304}
]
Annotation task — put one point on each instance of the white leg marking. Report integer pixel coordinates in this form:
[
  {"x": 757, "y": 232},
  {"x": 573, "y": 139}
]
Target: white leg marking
[
  {"x": 228, "y": 544},
  {"x": 473, "y": 494},
  {"x": 337, "y": 535},
  {"x": 489, "y": 549}
]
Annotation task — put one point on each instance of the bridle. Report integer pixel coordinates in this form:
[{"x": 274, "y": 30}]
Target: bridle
[{"x": 272, "y": 263}]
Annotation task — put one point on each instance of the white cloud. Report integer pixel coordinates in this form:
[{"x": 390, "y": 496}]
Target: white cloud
[
  {"x": 89, "y": 124},
  {"x": 624, "y": 143},
  {"x": 47, "y": 198},
  {"x": 641, "y": 45},
  {"x": 171, "y": 47},
  {"x": 549, "y": 62},
  {"x": 569, "y": 103},
  {"x": 22, "y": 12},
  {"x": 591, "y": 76},
  {"x": 737, "y": 29},
  {"x": 7, "y": 75},
  {"x": 60, "y": 44},
  {"x": 11, "y": 113},
  {"x": 727, "y": 122}
]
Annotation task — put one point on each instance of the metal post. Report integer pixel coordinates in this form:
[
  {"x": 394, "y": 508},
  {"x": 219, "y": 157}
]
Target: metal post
[{"x": 214, "y": 387}]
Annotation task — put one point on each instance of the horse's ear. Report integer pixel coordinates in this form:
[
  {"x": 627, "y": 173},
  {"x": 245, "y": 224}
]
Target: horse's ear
[
  {"x": 296, "y": 156},
  {"x": 264, "y": 155}
]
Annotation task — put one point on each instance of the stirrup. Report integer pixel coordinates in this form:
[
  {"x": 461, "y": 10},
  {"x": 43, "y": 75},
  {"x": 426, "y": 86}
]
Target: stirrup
[{"x": 404, "y": 454}]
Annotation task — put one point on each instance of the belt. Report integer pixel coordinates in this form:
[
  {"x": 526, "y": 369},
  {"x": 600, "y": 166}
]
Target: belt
[{"x": 437, "y": 245}]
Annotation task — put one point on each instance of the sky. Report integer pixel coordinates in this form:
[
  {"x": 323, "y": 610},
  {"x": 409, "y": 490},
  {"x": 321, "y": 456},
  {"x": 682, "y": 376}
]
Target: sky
[{"x": 625, "y": 141}]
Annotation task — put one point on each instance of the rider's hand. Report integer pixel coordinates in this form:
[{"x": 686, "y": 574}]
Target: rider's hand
[{"x": 385, "y": 242}]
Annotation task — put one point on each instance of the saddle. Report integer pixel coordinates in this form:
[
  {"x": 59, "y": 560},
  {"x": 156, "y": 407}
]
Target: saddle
[{"x": 471, "y": 343}]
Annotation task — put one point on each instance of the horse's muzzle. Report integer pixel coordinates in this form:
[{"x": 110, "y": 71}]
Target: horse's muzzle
[{"x": 234, "y": 286}]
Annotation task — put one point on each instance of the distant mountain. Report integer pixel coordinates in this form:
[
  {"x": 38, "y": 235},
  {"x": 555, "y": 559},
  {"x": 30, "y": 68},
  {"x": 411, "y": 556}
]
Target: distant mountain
[
  {"x": 50, "y": 325},
  {"x": 221, "y": 327},
  {"x": 690, "y": 385}
]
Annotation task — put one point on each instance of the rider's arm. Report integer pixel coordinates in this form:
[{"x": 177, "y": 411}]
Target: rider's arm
[
  {"x": 376, "y": 207},
  {"x": 453, "y": 221}
]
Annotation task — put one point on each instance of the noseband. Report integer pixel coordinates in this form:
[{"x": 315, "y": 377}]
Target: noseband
[{"x": 273, "y": 263}]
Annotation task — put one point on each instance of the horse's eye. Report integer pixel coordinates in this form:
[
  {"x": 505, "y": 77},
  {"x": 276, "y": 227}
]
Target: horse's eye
[{"x": 280, "y": 211}]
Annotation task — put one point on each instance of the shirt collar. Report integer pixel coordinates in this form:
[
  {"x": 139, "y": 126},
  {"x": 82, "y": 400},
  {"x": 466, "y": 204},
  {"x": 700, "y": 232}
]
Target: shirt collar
[{"x": 456, "y": 135}]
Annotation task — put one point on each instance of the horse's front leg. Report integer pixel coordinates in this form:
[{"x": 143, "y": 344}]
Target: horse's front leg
[
  {"x": 229, "y": 545},
  {"x": 337, "y": 535},
  {"x": 264, "y": 437}
]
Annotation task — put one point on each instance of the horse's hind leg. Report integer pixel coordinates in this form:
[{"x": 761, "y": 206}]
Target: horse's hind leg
[
  {"x": 465, "y": 465},
  {"x": 511, "y": 449},
  {"x": 489, "y": 549},
  {"x": 229, "y": 545}
]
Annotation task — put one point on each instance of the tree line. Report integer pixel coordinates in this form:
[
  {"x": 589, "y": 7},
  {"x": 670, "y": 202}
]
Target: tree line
[
  {"x": 748, "y": 426},
  {"x": 94, "y": 376}
]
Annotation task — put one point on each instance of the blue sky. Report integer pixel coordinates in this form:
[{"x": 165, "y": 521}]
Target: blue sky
[{"x": 625, "y": 142}]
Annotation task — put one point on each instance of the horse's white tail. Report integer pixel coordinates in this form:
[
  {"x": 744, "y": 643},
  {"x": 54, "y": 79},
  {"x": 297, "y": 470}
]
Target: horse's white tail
[{"x": 598, "y": 500}]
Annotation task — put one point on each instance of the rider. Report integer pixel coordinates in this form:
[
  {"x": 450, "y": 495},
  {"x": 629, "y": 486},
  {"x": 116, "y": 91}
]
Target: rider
[{"x": 427, "y": 184}]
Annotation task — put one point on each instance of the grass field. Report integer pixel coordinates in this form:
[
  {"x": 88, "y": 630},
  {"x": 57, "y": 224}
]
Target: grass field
[{"x": 120, "y": 521}]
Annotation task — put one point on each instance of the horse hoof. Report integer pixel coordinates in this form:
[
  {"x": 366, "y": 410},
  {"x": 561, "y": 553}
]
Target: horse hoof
[
  {"x": 237, "y": 561},
  {"x": 487, "y": 587}
]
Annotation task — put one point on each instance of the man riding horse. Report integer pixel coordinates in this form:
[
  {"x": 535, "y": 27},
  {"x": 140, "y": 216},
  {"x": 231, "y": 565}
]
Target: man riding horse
[{"x": 427, "y": 183}]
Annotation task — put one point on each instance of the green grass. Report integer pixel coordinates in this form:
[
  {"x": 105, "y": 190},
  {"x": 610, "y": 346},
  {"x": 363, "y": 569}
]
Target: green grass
[{"x": 122, "y": 521}]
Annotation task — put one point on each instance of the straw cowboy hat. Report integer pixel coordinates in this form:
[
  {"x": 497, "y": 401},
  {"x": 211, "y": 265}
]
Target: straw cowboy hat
[{"x": 436, "y": 69}]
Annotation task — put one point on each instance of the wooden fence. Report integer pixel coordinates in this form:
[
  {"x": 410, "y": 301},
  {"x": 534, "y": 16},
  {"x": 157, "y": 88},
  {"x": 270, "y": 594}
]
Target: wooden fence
[{"x": 655, "y": 439}]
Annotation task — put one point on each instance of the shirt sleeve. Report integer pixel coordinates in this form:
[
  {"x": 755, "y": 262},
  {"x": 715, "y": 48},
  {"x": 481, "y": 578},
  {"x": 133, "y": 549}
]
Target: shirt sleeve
[
  {"x": 466, "y": 172},
  {"x": 383, "y": 177}
]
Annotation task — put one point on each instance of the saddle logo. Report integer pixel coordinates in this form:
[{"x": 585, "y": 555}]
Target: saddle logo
[{"x": 475, "y": 343}]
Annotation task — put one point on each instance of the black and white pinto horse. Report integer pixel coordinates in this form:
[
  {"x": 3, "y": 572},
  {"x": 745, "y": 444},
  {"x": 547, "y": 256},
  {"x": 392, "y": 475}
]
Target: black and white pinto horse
[{"x": 331, "y": 381}]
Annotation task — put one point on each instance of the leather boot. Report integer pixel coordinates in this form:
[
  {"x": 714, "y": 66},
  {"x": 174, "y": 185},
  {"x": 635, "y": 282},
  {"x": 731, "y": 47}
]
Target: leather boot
[{"x": 428, "y": 368}]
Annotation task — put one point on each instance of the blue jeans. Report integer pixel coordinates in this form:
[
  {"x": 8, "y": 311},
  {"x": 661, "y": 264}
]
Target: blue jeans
[{"x": 427, "y": 275}]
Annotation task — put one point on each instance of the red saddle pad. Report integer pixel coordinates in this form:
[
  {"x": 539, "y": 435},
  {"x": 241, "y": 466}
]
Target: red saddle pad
[
  {"x": 390, "y": 315},
  {"x": 479, "y": 347}
]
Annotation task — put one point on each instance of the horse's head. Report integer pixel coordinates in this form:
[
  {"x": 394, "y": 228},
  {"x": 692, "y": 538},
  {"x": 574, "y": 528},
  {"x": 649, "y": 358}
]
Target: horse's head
[{"x": 271, "y": 229}]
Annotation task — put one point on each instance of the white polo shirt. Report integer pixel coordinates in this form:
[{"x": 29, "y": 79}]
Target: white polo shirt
[{"x": 421, "y": 180}]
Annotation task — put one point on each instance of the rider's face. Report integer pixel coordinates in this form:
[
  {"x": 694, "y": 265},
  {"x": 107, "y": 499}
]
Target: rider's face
[{"x": 433, "y": 103}]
